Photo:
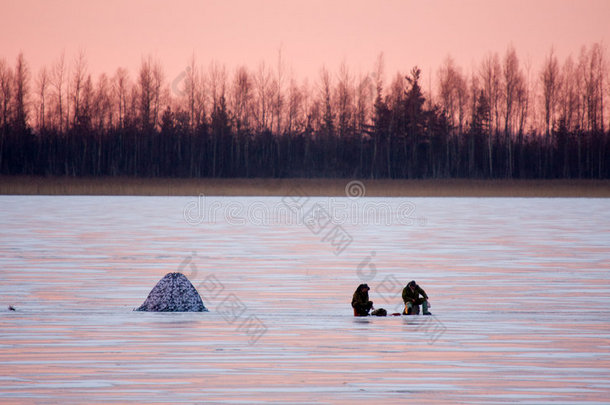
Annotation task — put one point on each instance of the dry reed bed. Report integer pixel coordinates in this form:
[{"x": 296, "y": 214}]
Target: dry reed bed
[{"x": 28, "y": 185}]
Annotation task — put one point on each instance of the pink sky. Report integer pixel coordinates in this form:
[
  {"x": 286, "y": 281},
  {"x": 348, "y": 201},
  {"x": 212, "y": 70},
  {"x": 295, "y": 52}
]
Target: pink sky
[{"x": 311, "y": 33}]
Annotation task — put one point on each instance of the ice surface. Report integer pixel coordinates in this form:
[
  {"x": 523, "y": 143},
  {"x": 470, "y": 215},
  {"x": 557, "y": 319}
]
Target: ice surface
[{"x": 520, "y": 292}]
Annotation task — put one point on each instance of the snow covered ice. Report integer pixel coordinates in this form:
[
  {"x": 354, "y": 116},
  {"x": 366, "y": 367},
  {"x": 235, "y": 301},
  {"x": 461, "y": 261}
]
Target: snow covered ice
[{"x": 519, "y": 288}]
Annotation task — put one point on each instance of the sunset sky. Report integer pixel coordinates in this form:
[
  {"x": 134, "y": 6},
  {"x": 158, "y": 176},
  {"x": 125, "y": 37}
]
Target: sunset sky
[{"x": 313, "y": 33}]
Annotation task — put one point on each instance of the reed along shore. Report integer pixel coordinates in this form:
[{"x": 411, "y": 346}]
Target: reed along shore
[{"x": 32, "y": 185}]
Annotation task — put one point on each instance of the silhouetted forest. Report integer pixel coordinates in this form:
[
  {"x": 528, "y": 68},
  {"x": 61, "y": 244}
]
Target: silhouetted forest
[{"x": 501, "y": 120}]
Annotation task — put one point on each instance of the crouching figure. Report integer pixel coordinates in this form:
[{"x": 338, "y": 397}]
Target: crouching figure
[
  {"x": 411, "y": 297},
  {"x": 360, "y": 301}
]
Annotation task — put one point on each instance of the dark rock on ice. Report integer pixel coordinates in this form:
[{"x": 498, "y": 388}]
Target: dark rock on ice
[{"x": 173, "y": 293}]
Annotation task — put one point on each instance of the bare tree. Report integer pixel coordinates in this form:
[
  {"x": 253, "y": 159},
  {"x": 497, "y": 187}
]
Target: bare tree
[
  {"x": 241, "y": 98},
  {"x": 602, "y": 74},
  {"x": 102, "y": 114},
  {"x": 42, "y": 84},
  {"x": 512, "y": 77},
  {"x": 263, "y": 98},
  {"x": 161, "y": 94},
  {"x": 328, "y": 118},
  {"x": 461, "y": 88},
  {"x": 314, "y": 111},
  {"x": 217, "y": 83},
  {"x": 78, "y": 81},
  {"x": 133, "y": 105},
  {"x": 241, "y": 106},
  {"x": 344, "y": 101},
  {"x": 6, "y": 79},
  {"x": 399, "y": 125},
  {"x": 194, "y": 91},
  {"x": 120, "y": 89},
  {"x": 6, "y": 85},
  {"x": 200, "y": 98},
  {"x": 364, "y": 103},
  {"x": 146, "y": 90},
  {"x": 453, "y": 93},
  {"x": 523, "y": 103},
  {"x": 490, "y": 77},
  {"x": 278, "y": 100},
  {"x": 446, "y": 84},
  {"x": 21, "y": 79},
  {"x": 568, "y": 97},
  {"x": 551, "y": 81},
  {"x": 219, "y": 118},
  {"x": 595, "y": 88},
  {"x": 149, "y": 87},
  {"x": 581, "y": 78},
  {"x": 379, "y": 111},
  {"x": 475, "y": 93},
  {"x": 58, "y": 77},
  {"x": 513, "y": 82},
  {"x": 87, "y": 104},
  {"x": 295, "y": 120}
]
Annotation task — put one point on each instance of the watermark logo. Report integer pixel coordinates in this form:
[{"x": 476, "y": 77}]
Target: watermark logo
[
  {"x": 432, "y": 328},
  {"x": 338, "y": 239},
  {"x": 194, "y": 211},
  {"x": 233, "y": 310},
  {"x": 296, "y": 209},
  {"x": 389, "y": 289},
  {"x": 355, "y": 189},
  {"x": 319, "y": 221},
  {"x": 366, "y": 269},
  {"x": 178, "y": 84},
  {"x": 322, "y": 220}
]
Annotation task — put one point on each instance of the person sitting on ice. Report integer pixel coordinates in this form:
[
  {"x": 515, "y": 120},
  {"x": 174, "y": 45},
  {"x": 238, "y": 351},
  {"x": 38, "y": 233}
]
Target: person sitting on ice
[
  {"x": 360, "y": 301},
  {"x": 411, "y": 297}
]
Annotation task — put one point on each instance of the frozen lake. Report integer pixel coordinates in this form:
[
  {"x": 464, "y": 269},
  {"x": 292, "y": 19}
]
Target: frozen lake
[{"x": 520, "y": 292}]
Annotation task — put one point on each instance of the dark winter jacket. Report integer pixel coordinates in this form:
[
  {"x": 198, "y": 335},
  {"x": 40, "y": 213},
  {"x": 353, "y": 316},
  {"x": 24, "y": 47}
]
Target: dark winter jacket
[
  {"x": 413, "y": 296},
  {"x": 361, "y": 303}
]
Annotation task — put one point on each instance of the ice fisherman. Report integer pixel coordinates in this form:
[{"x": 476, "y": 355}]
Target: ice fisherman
[
  {"x": 411, "y": 297},
  {"x": 360, "y": 301}
]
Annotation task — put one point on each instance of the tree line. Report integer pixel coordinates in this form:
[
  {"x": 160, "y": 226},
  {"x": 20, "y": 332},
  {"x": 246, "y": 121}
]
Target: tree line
[{"x": 501, "y": 120}]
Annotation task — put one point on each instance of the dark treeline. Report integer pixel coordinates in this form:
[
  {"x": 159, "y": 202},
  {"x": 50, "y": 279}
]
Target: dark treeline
[{"x": 500, "y": 121}]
